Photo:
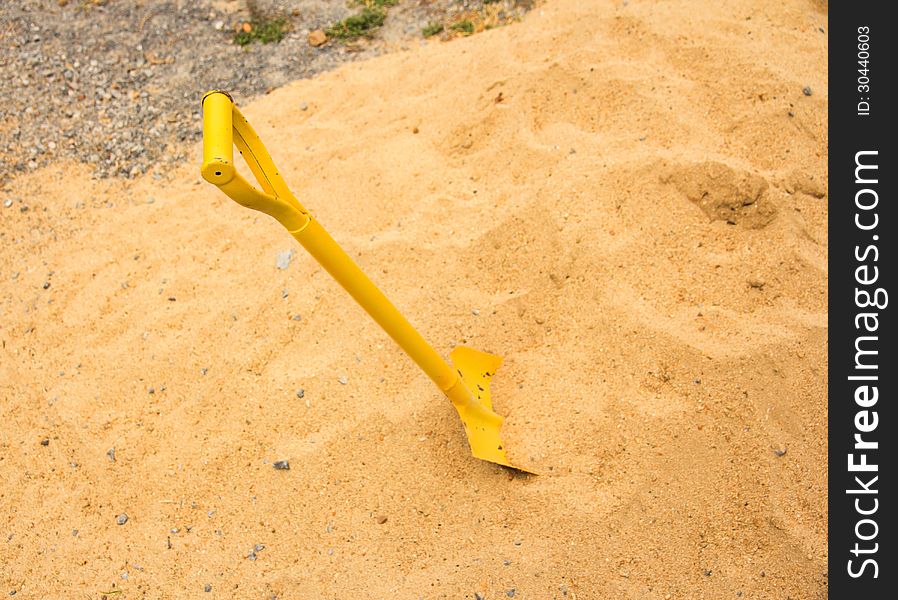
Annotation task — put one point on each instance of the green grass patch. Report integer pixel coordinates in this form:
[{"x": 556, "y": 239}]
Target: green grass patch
[
  {"x": 358, "y": 25},
  {"x": 265, "y": 31},
  {"x": 466, "y": 27},
  {"x": 432, "y": 29}
]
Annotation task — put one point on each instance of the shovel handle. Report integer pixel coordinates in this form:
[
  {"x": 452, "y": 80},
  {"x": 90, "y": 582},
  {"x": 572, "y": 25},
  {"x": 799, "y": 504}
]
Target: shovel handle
[
  {"x": 218, "y": 138},
  {"x": 224, "y": 126}
]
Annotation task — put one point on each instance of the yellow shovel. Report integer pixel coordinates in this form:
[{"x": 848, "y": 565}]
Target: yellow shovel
[{"x": 466, "y": 383}]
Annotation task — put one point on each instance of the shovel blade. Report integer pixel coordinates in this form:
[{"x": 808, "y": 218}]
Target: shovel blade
[{"x": 482, "y": 424}]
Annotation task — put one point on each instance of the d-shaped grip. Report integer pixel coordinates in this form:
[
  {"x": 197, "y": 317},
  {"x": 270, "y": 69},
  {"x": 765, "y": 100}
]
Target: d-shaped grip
[{"x": 224, "y": 126}]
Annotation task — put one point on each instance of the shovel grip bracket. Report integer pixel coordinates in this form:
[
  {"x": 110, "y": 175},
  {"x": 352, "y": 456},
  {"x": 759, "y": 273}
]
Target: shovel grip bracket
[{"x": 224, "y": 126}]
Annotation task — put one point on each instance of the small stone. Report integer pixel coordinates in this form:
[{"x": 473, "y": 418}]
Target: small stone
[
  {"x": 296, "y": 317},
  {"x": 45, "y": 442},
  {"x": 708, "y": 572},
  {"x": 478, "y": 596},
  {"x": 381, "y": 519},
  {"x": 510, "y": 593},
  {"x": 317, "y": 38},
  {"x": 150, "y": 200},
  {"x": 207, "y": 588},
  {"x": 7, "y": 203},
  {"x": 284, "y": 258},
  {"x": 343, "y": 380},
  {"x": 475, "y": 312},
  {"x": 303, "y": 106},
  {"x": 124, "y": 575},
  {"x": 74, "y": 533},
  {"x": 807, "y": 91},
  {"x": 756, "y": 283},
  {"x": 300, "y": 393},
  {"x": 111, "y": 454},
  {"x": 285, "y": 292},
  {"x": 518, "y": 542},
  {"x": 779, "y": 451},
  {"x": 121, "y": 519},
  {"x": 258, "y": 547},
  {"x": 281, "y": 465},
  {"x": 46, "y": 285}
]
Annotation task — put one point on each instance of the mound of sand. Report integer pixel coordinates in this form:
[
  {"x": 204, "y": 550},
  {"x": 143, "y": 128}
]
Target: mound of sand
[{"x": 625, "y": 200}]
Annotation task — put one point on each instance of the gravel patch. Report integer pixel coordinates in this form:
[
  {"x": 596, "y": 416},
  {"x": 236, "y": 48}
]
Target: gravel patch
[{"x": 117, "y": 84}]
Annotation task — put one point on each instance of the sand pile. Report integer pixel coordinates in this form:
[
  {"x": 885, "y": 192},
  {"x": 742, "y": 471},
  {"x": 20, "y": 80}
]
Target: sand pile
[{"x": 625, "y": 200}]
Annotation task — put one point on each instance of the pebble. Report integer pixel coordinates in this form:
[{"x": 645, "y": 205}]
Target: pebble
[
  {"x": 296, "y": 317},
  {"x": 207, "y": 588},
  {"x": 284, "y": 258},
  {"x": 317, "y": 38},
  {"x": 478, "y": 596},
  {"x": 343, "y": 380},
  {"x": 779, "y": 451},
  {"x": 303, "y": 106},
  {"x": 510, "y": 593},
  {"x": 121, "y": 519},
  {"x": 7, "y": 203},
  {"x": 45, "y": 442},
  {"x": 807, "y": 91},
  {"x": 252, "y": 553},
  {"x": 756, "y": 283},
  {"x": 281, "y": 465},
  {"x": 300, "y": 393},
  {"x": 381, "y": 519},
  {"x": 111, "y": 454}
]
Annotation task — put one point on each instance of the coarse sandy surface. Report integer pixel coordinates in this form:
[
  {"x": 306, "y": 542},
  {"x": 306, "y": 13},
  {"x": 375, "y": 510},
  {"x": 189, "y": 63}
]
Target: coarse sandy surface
[{"x": 625, "y": 200}]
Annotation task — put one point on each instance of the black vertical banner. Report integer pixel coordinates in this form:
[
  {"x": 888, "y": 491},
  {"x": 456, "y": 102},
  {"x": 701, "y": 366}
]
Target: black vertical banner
[{"x": 863, "y": 370}]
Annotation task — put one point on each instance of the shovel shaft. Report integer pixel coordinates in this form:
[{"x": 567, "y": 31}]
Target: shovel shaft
[
  {"x": 223, "y": 126},
  {"x": 342, "y": 268}
]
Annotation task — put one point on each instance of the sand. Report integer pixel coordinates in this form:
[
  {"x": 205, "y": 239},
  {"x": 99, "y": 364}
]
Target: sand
[{"x": 625, "y": 200}]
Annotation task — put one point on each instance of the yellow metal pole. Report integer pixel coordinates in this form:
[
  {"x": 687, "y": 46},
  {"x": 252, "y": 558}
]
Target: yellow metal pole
[{"x": 331, "y": 256}]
